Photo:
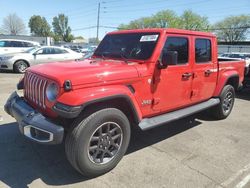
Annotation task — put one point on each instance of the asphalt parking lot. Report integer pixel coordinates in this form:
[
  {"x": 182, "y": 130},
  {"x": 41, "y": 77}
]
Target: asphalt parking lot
[{"x": 193, "y": 152}]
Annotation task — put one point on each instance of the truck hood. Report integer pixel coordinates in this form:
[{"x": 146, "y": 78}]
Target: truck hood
[{"x": 87, "y": 71}]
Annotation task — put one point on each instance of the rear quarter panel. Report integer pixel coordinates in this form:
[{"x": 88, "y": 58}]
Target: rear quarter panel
[{"x": 229, "y": 69}]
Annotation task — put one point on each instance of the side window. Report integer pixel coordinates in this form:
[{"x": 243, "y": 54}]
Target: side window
[
  {"x": 44, "y": 51},
  {"x": 59, "y": 51},
  {"x": 202, "y": 50},
  {"x": 47, "y": 51},
  {"x": 27, "y": 44},
  {"x": 2, "y": 44},
  {"x": 7, "y": 44},
  {"x": 179, "y": 45},
  {"x": 16, "y": 44},
  {"x": 39, "y": 52},
  {"x": 52, "y": 50}
]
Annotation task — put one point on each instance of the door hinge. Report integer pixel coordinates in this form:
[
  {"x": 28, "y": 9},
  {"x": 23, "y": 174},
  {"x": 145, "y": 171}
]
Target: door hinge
[
  {"x": 156, "y": 101},
  {"x": 191, "y": 94}
]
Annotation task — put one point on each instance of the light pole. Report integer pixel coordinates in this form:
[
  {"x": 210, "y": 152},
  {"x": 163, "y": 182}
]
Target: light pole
[{"x": 98, "y": 23}]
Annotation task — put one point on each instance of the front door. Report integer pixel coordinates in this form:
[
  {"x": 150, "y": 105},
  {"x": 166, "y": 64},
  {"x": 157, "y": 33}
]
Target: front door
[
  {"x": 172, "y": 85},
  {"x": 44, "y": 55}
]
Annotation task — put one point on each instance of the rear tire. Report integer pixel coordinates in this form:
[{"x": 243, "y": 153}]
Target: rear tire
[
  {"x": 96, "y": 144},
  {"x": 20, "y": 66},
  {"x": 227, "y": 98}
]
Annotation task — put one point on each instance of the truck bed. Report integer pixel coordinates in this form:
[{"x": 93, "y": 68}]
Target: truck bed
[{"x": 234, "y": 65}]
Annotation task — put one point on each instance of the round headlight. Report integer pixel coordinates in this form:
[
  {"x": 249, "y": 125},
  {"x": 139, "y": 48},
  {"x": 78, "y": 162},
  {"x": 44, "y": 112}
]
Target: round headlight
[{"x": 52, "y": 91}]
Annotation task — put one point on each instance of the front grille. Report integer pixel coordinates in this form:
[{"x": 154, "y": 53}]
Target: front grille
[{"x": 35, "y": 87}]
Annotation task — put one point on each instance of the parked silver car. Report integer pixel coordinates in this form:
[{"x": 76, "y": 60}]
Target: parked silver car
[{"x": 19, "y": 62}]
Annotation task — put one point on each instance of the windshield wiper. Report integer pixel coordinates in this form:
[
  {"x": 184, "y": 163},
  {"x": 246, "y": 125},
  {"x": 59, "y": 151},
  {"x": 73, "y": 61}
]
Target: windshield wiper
[
  {"x": 124, "y": 56},
  {"x": 105, "y": 55}
]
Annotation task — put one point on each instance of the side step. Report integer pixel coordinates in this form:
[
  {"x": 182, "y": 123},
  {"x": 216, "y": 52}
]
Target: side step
[{"x": 149, "y": 123}]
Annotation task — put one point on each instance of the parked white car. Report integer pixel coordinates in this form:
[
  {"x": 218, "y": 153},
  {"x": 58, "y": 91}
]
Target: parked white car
[
  {"x": 13, "y": 45},
  {"x": 19, "y": 62},
  {"x": 238, "y": 55},
  {"x": 88, "y": 49}
]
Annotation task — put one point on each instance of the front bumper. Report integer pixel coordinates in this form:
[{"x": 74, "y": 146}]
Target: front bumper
[
  {"x": 33, "y": 124},
  {"x": 6, "y": 64}
]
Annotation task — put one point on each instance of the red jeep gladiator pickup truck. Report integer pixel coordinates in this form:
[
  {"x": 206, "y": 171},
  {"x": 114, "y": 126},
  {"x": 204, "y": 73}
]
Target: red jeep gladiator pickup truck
[{"x": 143, "y": 78}]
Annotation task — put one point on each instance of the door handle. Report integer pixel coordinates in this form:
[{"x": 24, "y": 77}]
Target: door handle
[
  {"x": 208, "y": 72},
  {"x": 187, "y": 75}
]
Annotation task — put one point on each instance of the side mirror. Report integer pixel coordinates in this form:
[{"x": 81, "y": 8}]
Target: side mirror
[{"x": 168, "y": 58}]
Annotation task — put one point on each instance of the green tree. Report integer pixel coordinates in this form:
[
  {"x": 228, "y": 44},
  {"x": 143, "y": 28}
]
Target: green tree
[
  {"x": 162, "y": 19},
  {"x": 79, "y": 37},
  {"x": 61, "y": 28},
  {"x": 56, "y": 38},
  {"x": 39, "y": 26},
  {"x": 166, "y": 18},
  {"x": 140, "y": 23},
  {"x": 169, "y": 19},
  {"x": 233, "y": 28},
  {"x": 13, "y": 25},
  {"x": 192, "y": 21}
]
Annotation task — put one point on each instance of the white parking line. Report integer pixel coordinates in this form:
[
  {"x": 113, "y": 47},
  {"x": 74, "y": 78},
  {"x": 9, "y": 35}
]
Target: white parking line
[
  {"x": 236, "y": 175},
  {"x": 243, "y": 182}
]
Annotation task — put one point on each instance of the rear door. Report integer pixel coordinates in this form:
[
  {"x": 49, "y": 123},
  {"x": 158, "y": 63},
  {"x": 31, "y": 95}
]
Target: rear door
[
  {"x": 14, "y": 46},
  {"x": 205, "y": 69},
  {"x": 172, "y": 85},
  {"x": 8, "y": 46},
  {"x": 61, "y": 54}
]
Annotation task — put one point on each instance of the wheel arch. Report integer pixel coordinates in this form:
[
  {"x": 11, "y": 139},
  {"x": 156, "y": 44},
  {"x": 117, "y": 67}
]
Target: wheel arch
[
  {"x": 121, "y": 102},
  {"x": 21, "y": 60},
  {"x": 232, "y": 79}
]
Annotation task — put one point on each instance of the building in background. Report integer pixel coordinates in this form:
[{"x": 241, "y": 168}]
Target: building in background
[
  {"x": 80, "y": 41},
  {"x": 243, "y": 47}
]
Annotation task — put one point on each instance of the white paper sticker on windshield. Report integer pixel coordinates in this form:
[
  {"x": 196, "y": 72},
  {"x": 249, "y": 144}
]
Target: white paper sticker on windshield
[{"x": 148, "y": 38}]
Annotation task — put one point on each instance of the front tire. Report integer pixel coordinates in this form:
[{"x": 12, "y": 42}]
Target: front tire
[
  {"x": 97, "y": 143},
  {"x": 20, "y": 66},
  {"x": 227, "y": 98}
]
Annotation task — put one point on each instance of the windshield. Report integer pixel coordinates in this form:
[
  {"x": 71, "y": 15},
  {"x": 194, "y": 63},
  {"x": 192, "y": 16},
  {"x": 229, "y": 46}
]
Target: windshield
[
  {"x": 138, "y": 46},
  {"x": 31, "y": 50}
]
